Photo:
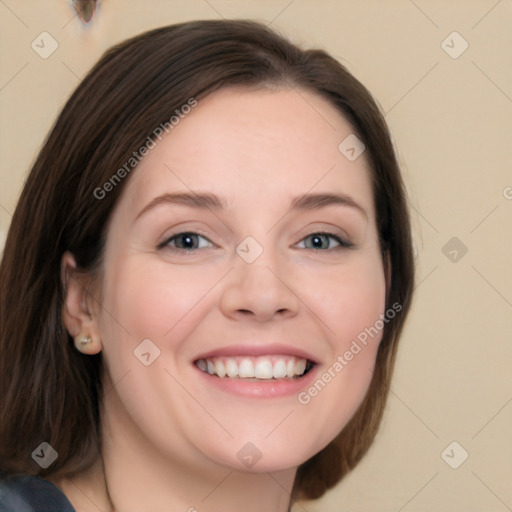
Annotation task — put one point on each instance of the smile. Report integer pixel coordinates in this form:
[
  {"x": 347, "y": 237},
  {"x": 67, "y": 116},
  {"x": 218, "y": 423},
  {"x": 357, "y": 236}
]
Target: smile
[{"x": 266, "y": 367}]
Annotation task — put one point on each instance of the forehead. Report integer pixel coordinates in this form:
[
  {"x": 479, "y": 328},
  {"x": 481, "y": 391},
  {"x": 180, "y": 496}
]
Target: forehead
[{"x": 253, "y": 146}]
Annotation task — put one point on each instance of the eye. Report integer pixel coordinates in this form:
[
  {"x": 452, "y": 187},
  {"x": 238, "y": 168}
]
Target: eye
[
  {"x": 186, "y": 241},
  {"x": 323, "y": 241}
]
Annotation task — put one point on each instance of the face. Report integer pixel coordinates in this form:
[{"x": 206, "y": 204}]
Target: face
[{"x": 244, "y": 250}]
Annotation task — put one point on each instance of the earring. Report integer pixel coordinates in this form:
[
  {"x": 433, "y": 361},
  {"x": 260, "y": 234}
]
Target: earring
[{"x": 82, "y": 341}]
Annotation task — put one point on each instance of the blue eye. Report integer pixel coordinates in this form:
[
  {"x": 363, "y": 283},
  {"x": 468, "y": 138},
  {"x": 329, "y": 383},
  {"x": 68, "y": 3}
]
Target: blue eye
[
  {"x": 322, "y": 241},
  {"x": 186, "y": 241}
]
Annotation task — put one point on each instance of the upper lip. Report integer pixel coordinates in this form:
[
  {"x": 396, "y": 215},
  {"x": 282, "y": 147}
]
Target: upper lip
[{"x": 257, "y": 350}]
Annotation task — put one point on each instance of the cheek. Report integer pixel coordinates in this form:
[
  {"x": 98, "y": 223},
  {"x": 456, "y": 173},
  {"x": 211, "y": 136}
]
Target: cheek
[
  {"x": 348, "y": 299},
  {"x": 351, "y": 304},
  {"x": 148, "y": 301}
]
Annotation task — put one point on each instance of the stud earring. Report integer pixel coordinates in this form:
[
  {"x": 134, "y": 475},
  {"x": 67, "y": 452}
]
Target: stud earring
[{"x": 82, "y": 341}]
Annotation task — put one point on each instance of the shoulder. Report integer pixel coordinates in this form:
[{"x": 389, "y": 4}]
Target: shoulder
[{"x": 31, "y": 494}]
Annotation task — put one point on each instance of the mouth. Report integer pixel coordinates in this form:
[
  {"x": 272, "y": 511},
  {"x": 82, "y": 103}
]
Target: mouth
[{"x": 261, "y": 368}]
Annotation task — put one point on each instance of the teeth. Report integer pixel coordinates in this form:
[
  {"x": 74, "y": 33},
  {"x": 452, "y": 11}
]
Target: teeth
[
  {"x": 279, "y": 370},
  {"x": 231, "y": 368},
  {"x": 300, "y": 366},
  {"x": 263, "y": 368},
  {"x": 246, "y": 369},
  {"x": 290, "y": 368},
  {"x": 220, "y": 369}
]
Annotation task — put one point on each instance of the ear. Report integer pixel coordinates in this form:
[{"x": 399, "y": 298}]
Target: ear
[{"x": 77, "y": 311}]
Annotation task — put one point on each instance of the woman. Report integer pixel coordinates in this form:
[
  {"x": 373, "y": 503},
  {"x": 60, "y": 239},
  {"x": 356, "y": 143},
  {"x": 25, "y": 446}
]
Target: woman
[{"x": 204, "y": 281}]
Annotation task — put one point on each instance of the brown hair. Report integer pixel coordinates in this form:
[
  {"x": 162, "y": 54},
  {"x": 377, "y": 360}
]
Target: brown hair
[{"x": 50, "y": 391}]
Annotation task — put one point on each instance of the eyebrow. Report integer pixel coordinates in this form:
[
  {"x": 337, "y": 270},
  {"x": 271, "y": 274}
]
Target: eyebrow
[
  {"x": 209, "y": 201},
  {"x": 315, "y": 201},
  {"x": 204, "y": 201}
]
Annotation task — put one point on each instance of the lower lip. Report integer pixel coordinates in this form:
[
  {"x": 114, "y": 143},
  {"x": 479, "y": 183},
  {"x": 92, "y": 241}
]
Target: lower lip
[{"x": 263, "y": 389}]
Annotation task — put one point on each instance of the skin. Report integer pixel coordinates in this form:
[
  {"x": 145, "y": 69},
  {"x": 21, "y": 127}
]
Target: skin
[{"x": 171, "y": 442}]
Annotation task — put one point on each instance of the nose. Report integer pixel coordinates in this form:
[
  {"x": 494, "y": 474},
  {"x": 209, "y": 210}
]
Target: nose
[{"x": 260, "y": 291}]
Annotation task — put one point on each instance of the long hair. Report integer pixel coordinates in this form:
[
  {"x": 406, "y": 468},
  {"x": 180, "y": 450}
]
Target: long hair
[{"x": 51, "y": 391}]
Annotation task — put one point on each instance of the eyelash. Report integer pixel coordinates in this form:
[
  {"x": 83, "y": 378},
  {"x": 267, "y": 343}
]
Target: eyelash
[{"x": 343, "y": 243}]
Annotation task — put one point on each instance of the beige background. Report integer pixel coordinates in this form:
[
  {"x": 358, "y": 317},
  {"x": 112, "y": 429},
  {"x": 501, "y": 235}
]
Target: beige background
[{"x": 451, "y": 121}]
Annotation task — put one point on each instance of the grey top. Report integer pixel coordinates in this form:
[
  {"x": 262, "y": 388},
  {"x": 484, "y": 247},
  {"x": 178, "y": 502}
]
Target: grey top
[{"x": 32, "y": 494}]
